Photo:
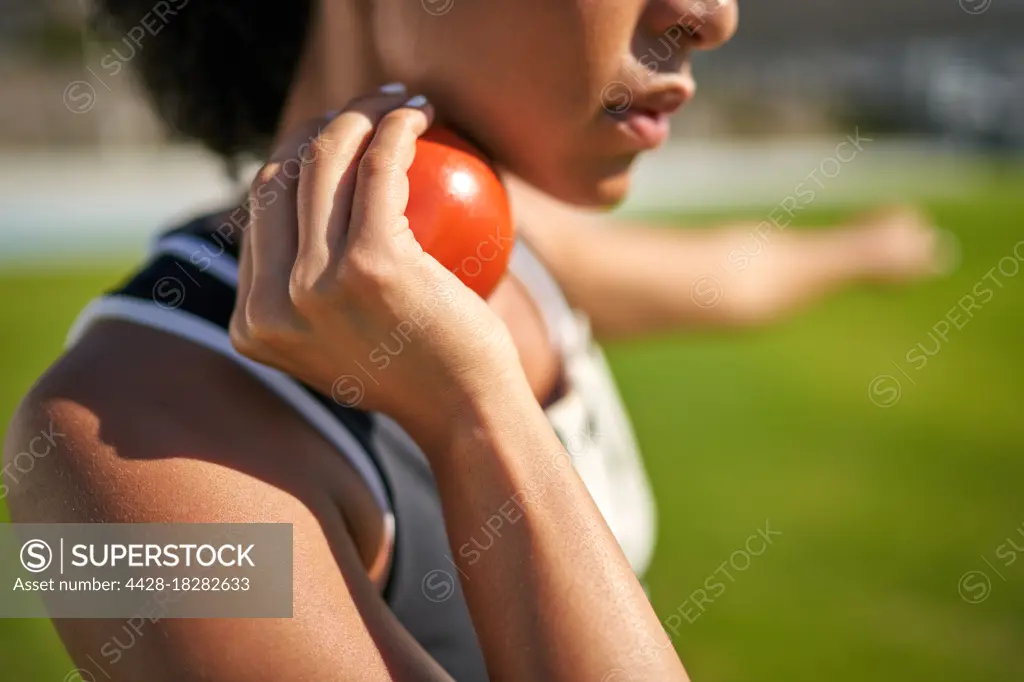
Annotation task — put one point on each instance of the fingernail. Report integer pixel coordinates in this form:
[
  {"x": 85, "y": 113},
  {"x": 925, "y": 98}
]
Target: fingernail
[
  {"x": 332, "y": 113},
  {"x": 393, "y": 89},
  {"x": 417, "y": 101}
]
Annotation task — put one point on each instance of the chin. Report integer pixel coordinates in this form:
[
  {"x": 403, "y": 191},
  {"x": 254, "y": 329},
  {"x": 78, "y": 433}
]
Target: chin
[
  {"x": 595, "y": 189},
  {"x": 611, "y": 191},
  {"x": 605, "y": 191}
]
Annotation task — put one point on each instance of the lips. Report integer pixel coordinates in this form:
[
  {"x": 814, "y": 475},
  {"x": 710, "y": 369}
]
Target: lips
[
  {"x": 646, "y": 118},
  {"x": 649, "y": 129}
]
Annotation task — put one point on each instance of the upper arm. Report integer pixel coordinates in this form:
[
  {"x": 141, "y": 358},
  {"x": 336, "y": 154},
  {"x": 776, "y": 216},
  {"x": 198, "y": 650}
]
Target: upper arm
[
  {"x": 632, "y": 278},
  {"x": 130, "y": 454}
]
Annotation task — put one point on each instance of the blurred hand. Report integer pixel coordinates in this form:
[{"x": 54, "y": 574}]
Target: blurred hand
[
  {"x": 900, "y": 244},
  {"x": 331, "y": 275}
]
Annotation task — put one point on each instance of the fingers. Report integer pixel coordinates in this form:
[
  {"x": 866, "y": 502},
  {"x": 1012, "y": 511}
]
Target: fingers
[
  {"x": 382, "y": 182},
  {"x": 239, "y": 324},
  {"x": 328, "y": 181},
  {"x": 272, "y": 240},
  {"x": 307, "y": 196}
]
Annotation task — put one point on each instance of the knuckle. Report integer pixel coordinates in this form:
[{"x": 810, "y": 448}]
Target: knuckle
[
  {"x": 306, "y": 292},
  {"x": 364, "y": 272},
  {"x": 319, "y": 147},
  {"x": 266, "y": 175},
  {"x": 243, "y": 334},
  {"x": 263, "y": 329},
  {"x": 241, "y": 339}
]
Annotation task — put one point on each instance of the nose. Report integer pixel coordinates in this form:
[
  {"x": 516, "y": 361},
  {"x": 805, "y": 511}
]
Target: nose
[{"x": 709, "y": 23}]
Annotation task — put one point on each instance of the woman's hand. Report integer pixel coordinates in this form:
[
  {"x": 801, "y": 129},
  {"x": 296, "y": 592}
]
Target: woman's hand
[
  {"x": 901, "y": 245},
  {"x": 334, "y": 288}
]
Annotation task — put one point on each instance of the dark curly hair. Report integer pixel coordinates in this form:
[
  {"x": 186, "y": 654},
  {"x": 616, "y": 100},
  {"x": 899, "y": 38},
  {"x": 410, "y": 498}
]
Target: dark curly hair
[{"x": 217, "y": 71}]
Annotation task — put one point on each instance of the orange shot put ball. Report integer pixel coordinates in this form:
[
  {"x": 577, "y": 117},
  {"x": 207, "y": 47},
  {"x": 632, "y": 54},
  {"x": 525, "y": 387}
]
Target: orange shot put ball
[{"x": 459, "y": 210}]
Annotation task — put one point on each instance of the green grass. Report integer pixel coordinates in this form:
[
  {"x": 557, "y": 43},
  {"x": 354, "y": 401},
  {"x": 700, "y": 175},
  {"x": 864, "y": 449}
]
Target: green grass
[{"x": 880, "y": 510}]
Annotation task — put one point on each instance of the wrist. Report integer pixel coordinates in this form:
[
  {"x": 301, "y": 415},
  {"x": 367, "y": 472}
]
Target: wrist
[
  {"x": 871, "y": 258},
  {"x": 470, "y": 409}
]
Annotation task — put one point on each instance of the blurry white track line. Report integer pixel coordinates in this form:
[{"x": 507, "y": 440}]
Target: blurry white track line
[{"x": 89, "y": 202}]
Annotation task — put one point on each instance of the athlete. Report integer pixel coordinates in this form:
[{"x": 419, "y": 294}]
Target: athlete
[{"x": 216, "y": 383}]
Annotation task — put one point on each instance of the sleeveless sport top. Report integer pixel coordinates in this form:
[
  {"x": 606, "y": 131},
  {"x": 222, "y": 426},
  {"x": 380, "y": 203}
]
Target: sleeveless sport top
[{"x": 187, "y": 288}]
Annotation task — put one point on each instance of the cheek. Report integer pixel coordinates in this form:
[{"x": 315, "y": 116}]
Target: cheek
[
  {"x": 523, "y": 78},
  {"x": 549, "y": 58}
]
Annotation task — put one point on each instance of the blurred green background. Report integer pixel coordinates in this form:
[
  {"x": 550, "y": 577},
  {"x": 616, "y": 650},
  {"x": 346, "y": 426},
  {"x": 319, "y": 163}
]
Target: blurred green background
[
  {"x": 881, "y": 511},
  {"x": 897, "y": 491}
]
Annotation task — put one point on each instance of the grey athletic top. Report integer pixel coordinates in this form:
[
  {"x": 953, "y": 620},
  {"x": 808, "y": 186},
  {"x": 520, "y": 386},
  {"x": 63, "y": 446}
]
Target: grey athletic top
[{"x": 187, "y": 288}]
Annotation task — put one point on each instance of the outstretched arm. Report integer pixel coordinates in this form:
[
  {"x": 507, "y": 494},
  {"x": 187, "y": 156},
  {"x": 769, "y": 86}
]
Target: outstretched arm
[{"x": 636, "y": 278}]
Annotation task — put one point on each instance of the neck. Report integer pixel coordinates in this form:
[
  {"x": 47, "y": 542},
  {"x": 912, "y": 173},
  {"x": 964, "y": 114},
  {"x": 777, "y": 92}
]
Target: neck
[{"x": 338, "y": 64}]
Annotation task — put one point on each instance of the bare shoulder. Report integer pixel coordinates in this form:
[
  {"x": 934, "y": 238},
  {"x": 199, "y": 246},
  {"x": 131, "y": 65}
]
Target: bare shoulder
[
  {"x": 140, "y": 425},
  {"x": 144, "y": 427}
]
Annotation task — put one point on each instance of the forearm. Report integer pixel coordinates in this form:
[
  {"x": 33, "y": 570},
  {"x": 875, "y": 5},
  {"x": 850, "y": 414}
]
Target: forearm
[
  {"x": 638, "y": 279},
  {"x": 726, "y": 277},
  {"x": 551, "y": 595}
]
